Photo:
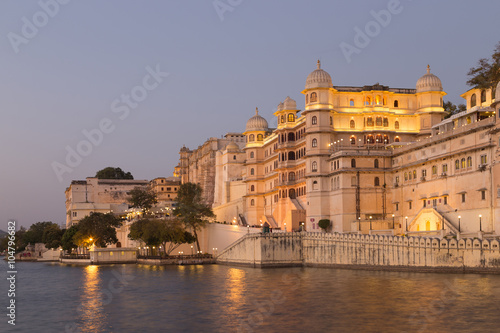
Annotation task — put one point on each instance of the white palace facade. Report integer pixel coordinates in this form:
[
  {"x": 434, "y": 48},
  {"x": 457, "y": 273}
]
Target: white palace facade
[{"x": 370, "y": 159}]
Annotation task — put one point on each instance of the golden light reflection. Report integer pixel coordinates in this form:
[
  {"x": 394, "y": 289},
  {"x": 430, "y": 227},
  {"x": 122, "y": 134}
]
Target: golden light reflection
[
  {"x": 90, "y": 311},
  {"x": 236, "y": 285}
]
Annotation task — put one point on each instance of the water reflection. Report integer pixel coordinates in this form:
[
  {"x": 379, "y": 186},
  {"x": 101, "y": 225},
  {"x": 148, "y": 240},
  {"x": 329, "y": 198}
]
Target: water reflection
[{"x": 91, "y": 313}]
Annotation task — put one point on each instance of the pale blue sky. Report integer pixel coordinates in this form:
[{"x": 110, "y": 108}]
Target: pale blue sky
[{"x": 65, "y": 78}]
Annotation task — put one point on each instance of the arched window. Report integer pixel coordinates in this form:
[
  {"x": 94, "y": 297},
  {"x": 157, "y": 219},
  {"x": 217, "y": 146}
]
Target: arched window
[
  {"x": 462, "y": 163},
  {"x": 377, "y": 181},
  {"x": 307, "y": 99},
  {"x": 386, "y": 122},
  {"x": 352, "y": 124},
  {"x": 314, "y": 120},
  {"x": 483, "y": 96},
  {"x": 351, "y": 102},
  {"x": 396, "y": 139},
  {"x": 378, "y": 99},
  {"x": 353, "y": 140},
  {"x": 370, "y": 139},
  {"x": 291, "y": 176},
  {"x": 406, "y": 176},
  {"x": 252, "y": 202},
  {"x": 314, "y": 166},
  {"x": 396, "y": 124},
  {"x": 252, "y": 154},
  {"x": 315, "y": 185},
  {"x": 251, "y": 138},
  {"x": 314, "y": 143},
  {"x": 457, "y": 164},
  {"x": 234, "y": 157},
  {"x": 378, "y": 121},
  {"x": 353, "y": 163},
  {"x": 368, "y": 101},
  {"x": 434, "y": 169},
  {"x": 314, "y": 97},
  {"x": 369, "y": 121},
  {"x": 414, "y": 174},
  {"x": 282, "y": 118},
  {"x": 291, "y": 118},
  {"x": 379, "y": 138},
  {"x": 252, "y": 172},
  {"x": 469, "y": 162},
  {"x": 291, "y": 156},
  {"x": 291, "y": 136},
  {"x": 396, "y": 104},
  {"x": 375, "y": 163},
  {"x": 469, "y": 120},
  {"x": 252, "y": 188},
  {"x": 386, "y": 139},
  {"x": 473, "y": 101},
  {"x": 260, "y": 137}
]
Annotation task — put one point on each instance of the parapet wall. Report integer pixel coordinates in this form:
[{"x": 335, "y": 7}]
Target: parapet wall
[{"x": 364, "y": 252}]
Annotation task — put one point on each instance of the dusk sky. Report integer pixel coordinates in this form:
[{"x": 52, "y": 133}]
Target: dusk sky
[{"x": 69, "y": 75}]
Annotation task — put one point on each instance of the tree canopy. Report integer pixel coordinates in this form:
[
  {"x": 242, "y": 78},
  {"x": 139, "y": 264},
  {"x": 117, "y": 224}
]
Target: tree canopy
[
  {"x": 487, "y": 72},
  {"x": 191, "y": 210},
  {"x": 99, "y": 227},
  {"x": 67, "y": 242},
  {"x": 453, "y": 109},
  {"x": 113, "y": 173},
  {"x": 142, "y": 198}
]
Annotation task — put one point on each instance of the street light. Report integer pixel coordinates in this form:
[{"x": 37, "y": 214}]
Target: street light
[
  {"x": 285, "y": 226},
  {"x": 192, "y": 250},
  {"x": 393, "y": 221},
  {"x": 406, "y": 223},
  {"x": 359, "y": 223},
  {"x": 248, "y": 228},
  {"x": 370, "y": 222},
  {"x": 480, "y": 225},
  {"x": 459, "y": 217}
]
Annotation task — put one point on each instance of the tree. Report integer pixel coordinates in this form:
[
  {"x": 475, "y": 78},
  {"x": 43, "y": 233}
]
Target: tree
[
  {"x": 191, "y": 210},
  {"x": 35, "y": 232},
  {"x": 487, "y": 73},
  {"x": 113, "y": 173},
  {"x": 324, "y": 224},
  {"x": 52, "y": 236},
  {"x": 67, "y": 242},
  {"x": 175, "y": 235},
  {"x": 142, "y": 198},
  {"x": 453, "y": 109},
  {"x": 99, "y": 227}
]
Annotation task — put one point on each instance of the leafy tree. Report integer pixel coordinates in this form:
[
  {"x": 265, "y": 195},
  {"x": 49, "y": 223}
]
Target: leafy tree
[
  {"x": 487, "y": 73},
  {"x": 175, "y": 235},
  {"x": 21, "y": 242},
  {"x": 453, "y": 109},
  {"x": 113, "y": 173},
  {"x": 324, "y": 224},
  {"x": 52, "y": 236},
  {"x": 142, "y": 198},
  {"x": 4, "y": 243},
  {"x": 67, "y": 241},
  {"x": 35, "y": 232},
  {"x": 98, "y": 226},
  {"x": 191, "y": 210}
]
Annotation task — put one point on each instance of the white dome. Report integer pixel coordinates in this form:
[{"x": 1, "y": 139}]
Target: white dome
[
  {"x": 429, "y": 82},
  {"x": 257, "y": 123},
  {"x": 319, "y": 79},
  {"x": 289, "y": 104},
  {"x": 281, "y": 106}
]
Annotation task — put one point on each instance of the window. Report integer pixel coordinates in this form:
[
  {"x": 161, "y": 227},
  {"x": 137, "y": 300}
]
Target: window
[
  {"x": 469, "y": 162},
  {"x": 351, "y": 102},
  {"x": 234, "y": 157},
  {"x": 282, "y": 118},
  {"x": 368, "y": 101},
  {"x": 483, "y": 195},
  {"x": 352, "y": 124},
  {"x": 331, "y": 121},
  {"x": 251, "y": 138},
  {"x": 252, "y": 202},
  {"x": 252, "y": 154},
  {"x": 291, "y": 176},
  {"x": 462, "y": 163},
  {"x": 75, "y": 214},
  {"x": 314, "y": 120},
  {"x": 353, "y": 163},
  {"x": 425, "y": 203},
  {"x": 457, "y": 164},
  {"x": 396, "y": 104},
  {"x": 424, "y": 173},
  {"x": 314, "y": 97},
  {"x": 378, "y": 99},
  {"x": 396, "y": 124},
  {"x": 434, "y": 170},
  {"x": 314, "y": 166},
  {"x": 484, "y": 159},
  {"x": 353, "y": 140},
  {"x": 483, "y": 96},
  {"x": 469, "y": 120},
  {"x": 252, "y": 171},
  {"x": 386, "y": 139},
  {"x": 291, "y": 117},
  {"x": 414, "y": 174},
  {"x": 409, "y": 204},
  {"x": 375, "y": 163},
  {"x": 378, "y": 121},
  {"x": 377, "y": 181},
  {"x": 397, "y": 207},
  {"x": 463, "y": 197},
  {"x": 406, "y": 176},
  {"x": 445, "y": 168},
  {"x": 260, "y": 137},
  {"x": 445, "y": 200},
  {"x": 315, "y": 185},
  {"x": 370, "y": 139},
  {"x": 386, "y": 122},
  {"x": 314, "y": 143},
  {"x": 396, "y": 139},
  {"x": 252, "y": 188},
  {"x": 369, "y": 121},
  {"x": 378, "y": 138},
  {"x": 473, "y": 101}
]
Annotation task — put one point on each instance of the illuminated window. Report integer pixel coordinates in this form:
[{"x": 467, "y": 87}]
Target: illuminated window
[
  {"x": 445, "y": 168},
  {"x": 378, "y": 121},
  {"x": 483, "y": 96},
  {"x": 314, "y": 97},
  {"x": 469, "y": 120},
  {"x": 469, "y": 162},
  {"x": 314, "y": 143},
  {"x": 369, "y": 121},
  {"x": 251, "y": 138},
  {"x": 378, "y": 100},
  {"x": 396, "y": 139},
  {"x": 473, "y": 101},
  {"x": 282, "y": 118},
  {"x": 352, "y": 124},
  {"x": 406, "y": 177},
  {"x": 434, "y": 169},
  {"x": 484, "y": 159},
  {"x": 314, "y": 120},
  {"x": 457, "y": 165},
  {"x": 353, "y": 140},
  {"x": 370, "y": 139},
  {"x": 386, "y": 139},
  {"x": 379, "y": 138},
  {"x": 260, "y": 137},
  {"x": 414, "y": 174},
  {"x": 368, "y": 101},
  {"x": 291, "y": 117},
  {"x": 396, "y": 104},
  {"x": 462, "y": 163},
  {"x": 396, "y": 125}
]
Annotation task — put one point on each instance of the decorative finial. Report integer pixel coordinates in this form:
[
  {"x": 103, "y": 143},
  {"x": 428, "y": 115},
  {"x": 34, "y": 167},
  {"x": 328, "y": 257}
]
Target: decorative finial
[
  {"x": 256, "y": 111},
  {"x": 319, "y": 64},
  {"x": 428, "y": 69}
]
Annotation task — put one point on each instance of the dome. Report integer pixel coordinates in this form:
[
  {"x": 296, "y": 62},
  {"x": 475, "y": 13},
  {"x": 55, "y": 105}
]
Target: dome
[
  {"x": 429, "y": 82},
  {"x": 319, "y": 79},
  {"x": 281, "y": 106},
  {"x": 256, "y": 123},
  {"x": 289, "y": 104},
  {"x": 232, "y": 146}
]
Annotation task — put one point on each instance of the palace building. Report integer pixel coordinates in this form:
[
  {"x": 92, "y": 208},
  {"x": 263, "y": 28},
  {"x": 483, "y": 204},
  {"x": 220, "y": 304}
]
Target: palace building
[{"x": 369, "y": 159}]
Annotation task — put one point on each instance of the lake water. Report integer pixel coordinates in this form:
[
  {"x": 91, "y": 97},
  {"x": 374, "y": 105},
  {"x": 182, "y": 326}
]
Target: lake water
[{"x": 212, "y": 298}]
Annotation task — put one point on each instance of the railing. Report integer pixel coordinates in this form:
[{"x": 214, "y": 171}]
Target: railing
[
  {"x": 75, "y": 256},
  {"x": 182, "y": 256}
]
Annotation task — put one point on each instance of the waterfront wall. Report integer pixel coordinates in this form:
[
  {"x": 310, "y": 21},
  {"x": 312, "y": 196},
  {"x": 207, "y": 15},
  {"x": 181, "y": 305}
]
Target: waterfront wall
[{"x": 365, "y": 251}]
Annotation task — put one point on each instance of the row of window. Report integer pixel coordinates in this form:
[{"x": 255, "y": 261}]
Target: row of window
[
  {"x": 435, "y": 201},
  {"x": 251, "y": 137},
  {"x": 291, "y": 136},
  {"x": 378, "y": 100},
  {"x": 473, "y": 99},
  {"x": 290, "y": 118}
]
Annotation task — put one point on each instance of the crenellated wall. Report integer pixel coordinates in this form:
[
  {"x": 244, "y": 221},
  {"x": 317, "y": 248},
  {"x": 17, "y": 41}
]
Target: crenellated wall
[{"x": 364, "y": 252}]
